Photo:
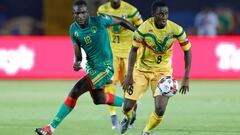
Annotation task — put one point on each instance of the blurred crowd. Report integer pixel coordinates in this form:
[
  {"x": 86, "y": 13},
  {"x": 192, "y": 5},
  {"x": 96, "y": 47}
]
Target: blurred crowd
[
  {"x": 216, "y": 21},
  {"x": 210, "y": 20},
  {"x": 21, "y": 25},
  {"x": 15, "y": 21}
]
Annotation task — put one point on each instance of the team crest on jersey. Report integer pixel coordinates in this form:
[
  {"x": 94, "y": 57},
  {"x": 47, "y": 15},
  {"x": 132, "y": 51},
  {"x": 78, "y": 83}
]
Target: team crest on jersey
[
  {"x": 76, "y": 34},
  {"x": 94, "y": 29},
  {"x": 92, "y": 72}
]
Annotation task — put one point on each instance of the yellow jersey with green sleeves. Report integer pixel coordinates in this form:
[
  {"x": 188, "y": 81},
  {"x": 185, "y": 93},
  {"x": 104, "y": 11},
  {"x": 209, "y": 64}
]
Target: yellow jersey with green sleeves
[
  {"x": 121, "y": 38},
  {"x": 155, "y": 45}
]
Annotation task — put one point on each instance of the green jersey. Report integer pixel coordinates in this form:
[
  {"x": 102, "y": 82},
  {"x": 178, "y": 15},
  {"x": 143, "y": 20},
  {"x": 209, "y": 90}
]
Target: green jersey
[{"x": 94, "y": 40}]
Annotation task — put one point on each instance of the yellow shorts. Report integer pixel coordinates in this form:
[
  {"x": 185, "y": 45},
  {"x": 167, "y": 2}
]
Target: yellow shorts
[
  {"x": 141, "y": 82},
  {"x": 120, "y": 68}
]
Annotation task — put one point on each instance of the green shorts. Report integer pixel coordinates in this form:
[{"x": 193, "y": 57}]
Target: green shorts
[{"x": 100, "y": 76}]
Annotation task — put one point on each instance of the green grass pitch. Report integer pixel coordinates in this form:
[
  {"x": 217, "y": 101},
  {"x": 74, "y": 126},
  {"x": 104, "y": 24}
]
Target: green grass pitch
[{"x": 211, "y": 108}]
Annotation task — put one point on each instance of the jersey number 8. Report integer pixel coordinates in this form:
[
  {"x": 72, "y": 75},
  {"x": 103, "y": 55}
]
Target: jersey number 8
[{"x": 159, "y": 59}]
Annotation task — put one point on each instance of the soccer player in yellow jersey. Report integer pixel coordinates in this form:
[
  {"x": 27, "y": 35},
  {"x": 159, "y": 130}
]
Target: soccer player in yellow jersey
[
  {"x": 121, "y": 40},
  {"x": 151, "y": 54}
]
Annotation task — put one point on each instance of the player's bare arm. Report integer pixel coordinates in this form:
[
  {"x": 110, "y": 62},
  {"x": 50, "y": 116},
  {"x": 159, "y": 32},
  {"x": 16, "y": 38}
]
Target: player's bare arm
[
  {"x": 78, "y": 58},
  {"x": 131, "y": 61},
  {"x": 185, "y": 83},
  {"x": 120, "y": 21}
]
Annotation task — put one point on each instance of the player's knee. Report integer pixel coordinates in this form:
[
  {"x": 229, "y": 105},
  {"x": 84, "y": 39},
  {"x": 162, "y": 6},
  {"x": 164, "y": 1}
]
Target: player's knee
[
  {"x": 75, "y": 92},
  {"x": 160, "y": 111},
  {"x": 98, "y": 101},
  {"x": 127, "y": 107}
]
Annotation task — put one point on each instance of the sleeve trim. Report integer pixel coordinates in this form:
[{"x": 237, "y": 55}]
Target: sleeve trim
[
  {"x": 131, "y": 16},
  {"x": 176, "y": 36}
]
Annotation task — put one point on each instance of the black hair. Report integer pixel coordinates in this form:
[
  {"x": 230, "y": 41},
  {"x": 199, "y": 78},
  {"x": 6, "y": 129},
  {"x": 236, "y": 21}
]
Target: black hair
[
  {"x": 158, "y": 3},
  {"x": 79, "y": 3}
]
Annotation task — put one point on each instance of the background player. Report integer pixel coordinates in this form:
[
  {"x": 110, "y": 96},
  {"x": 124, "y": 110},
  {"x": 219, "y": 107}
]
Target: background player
[
  {"x": 121, "y": 40},
  {"x": 156, "y": 37},
  {"x": 89, "y": 33}
]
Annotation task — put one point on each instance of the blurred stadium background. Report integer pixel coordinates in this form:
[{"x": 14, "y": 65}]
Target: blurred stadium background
[
  {"x": 36, "y": 58},
  {"x": 53, "y": 17}
]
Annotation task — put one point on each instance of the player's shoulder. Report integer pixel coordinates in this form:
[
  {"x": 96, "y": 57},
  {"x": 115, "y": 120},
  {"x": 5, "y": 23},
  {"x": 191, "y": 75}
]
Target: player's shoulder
[
  {"x": 100, "y": 19},
  {"x": 127, "y": 5},
  {"x": 172, "y": 24},
  {"x": 72, "y": 26},
  {"x": 174, "y": 27},
  {"x": 145, "y": 26},
  {"x": 148, "y": 22},
  {"x": 96, "y": 19}
]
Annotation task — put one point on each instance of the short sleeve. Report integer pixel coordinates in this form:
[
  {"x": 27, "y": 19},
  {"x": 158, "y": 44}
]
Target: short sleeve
[
  {"x": 106, "y": 20},
  {"x": 181, "y": 36},
  {"x": 73, "y": 33},
  {"x": 136, "y": 17},
  {"x": 100, "y": 10}
]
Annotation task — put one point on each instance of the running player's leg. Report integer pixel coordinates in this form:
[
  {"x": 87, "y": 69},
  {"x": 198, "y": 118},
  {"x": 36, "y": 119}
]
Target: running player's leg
[
  {"x": 122, "y": 69},
  {"x": 100, "y": 97},
  {"x": 127, "y": 111},
  {"x": 134, "y": 116},
  {"x": 156, "y": 117},
  {"x": 110, "y": 88},
  {"x": 160, "y": 104},
  {"x": 122, "y": 73},
  {"x": 100, "y": 79},
  {"x": 79, "y": 88},
  {"x": 132, "y": 95}
]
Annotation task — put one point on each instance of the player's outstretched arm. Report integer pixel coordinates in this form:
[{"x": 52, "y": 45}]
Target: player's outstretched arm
[
  {"x": 131, "y": 61},
  {"x": 78, "y": 58},
  {"x": 120, "y": 21},
  {"x": 185, "y": 83}
]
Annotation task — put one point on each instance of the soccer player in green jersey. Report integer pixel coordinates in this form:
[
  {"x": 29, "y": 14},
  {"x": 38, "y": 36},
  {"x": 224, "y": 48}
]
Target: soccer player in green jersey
[
  {"x": 149, "y": 60},
  {"x": 90, "y": 34}
]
